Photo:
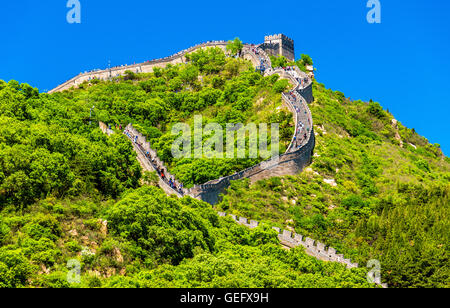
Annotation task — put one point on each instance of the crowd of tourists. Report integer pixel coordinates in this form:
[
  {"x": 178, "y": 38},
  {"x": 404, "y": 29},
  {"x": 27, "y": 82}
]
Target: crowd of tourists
[
  {"x": 160, "y": 170},
  {"x": 263, "y": 60},
  {"x": 303, "y": 121},
  {"x": 302, "y": 129},
  {"x": 291, "y": 70}
]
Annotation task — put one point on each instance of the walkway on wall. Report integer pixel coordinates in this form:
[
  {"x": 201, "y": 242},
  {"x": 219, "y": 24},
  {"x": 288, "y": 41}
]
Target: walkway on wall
[{"x": 144, "y": 158}]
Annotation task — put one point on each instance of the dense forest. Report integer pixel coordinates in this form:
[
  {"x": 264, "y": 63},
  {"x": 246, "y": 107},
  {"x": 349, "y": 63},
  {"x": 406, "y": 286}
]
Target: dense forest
[{"x": 375, "y": 189}]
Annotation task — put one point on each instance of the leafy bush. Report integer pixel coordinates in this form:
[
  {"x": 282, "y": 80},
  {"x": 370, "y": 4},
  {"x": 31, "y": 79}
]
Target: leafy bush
[
  {"x": 280, "y": 86},
  {"x": 73, "y": 246},
  {"x": 15, "y": 269},
  {"x": 161, "y": 228}
]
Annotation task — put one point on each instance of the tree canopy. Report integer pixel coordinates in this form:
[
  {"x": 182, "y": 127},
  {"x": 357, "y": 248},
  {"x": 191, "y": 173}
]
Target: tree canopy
[{"x": 235, "y": 46}]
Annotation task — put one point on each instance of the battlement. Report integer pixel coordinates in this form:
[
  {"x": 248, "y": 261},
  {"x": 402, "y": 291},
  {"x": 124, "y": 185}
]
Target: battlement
[
  {"x": 269, "y": 38},
  {"x": 279, "y": 45},
  {"x": 105, "y": 129},
  {"x": 313, "y": 248},
  {"x": 291, "y": 240}
]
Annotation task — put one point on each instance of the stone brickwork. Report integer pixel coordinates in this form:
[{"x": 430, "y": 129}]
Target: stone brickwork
[
  {"x": 279, "y": 45},
  {"x": 288, "y": 164},
  {"x": 146, "y": 67}
]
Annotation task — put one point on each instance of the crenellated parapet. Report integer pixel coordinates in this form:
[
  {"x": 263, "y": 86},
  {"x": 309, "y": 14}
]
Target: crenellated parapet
[
  {"x": 279, "y": 45},
  {"x": 292, "y": 240}
]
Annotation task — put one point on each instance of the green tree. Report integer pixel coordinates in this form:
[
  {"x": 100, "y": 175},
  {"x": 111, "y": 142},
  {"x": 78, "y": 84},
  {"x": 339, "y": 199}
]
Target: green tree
[
  {"x": 306, "y": 60},
  {"x": 164, "y": 230},
  {"x": 280, "y": 86},
  {"x": 150, "y": 178},
  {"x": 235, "y": 46}
]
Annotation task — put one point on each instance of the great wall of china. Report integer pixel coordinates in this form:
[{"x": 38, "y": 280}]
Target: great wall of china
[
  {"x": 146, "y": 67},
  {"x": 290, "y": 163},
  {"x": 291, "y": 240},
  {"x": 296, "y": 158}
]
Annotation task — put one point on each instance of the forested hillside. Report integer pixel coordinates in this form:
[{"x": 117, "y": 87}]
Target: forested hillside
[{"x": 375, "y": 190}]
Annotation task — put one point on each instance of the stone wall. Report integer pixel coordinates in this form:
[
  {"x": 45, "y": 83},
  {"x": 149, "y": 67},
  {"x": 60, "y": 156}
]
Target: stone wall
[
  {"x": 313, "y": 248},
  {"x": 279, "y": 45},
  {"x": 141, "y": 147},
  {"x": 105, "y": 129},
  {"x": 146, "y": 67},
  {"x": 291, "y": 240},
  {"x": 288, "y": 164},
  {"x": 272, "y": 49},
  {"x": 286, "y": 237},
  {"x": 307, "y": 93}
]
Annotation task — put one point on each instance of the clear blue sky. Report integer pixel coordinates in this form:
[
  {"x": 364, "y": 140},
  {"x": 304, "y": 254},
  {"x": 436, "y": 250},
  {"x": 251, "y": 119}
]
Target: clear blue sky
[{"x": 403, "y": 63}]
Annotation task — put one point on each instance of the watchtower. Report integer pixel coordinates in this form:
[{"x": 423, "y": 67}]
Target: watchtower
[{"x": 279, "y": 45}]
